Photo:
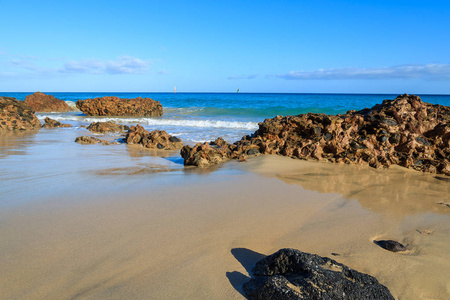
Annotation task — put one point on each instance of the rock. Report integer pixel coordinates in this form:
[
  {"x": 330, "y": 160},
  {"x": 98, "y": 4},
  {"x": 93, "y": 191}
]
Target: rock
[
  {"x": 16, "y": 115},
  {"x": 41, "y": 102},
  {"x": 114, "y": 106},
  {"x": 292, "y": 274},
  {"x": 157, "y": 139},
  {"x": 50, "y": 123},
  {"x": 107, "y": 127},
  {"x": 404, "y": 131},
  {"x": 390, "y": 245},
  {"x": 86, "y": 140}
]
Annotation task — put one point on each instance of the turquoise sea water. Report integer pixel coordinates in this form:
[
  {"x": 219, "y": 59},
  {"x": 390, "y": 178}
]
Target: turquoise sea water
[
  {"x": 198, "y": 117},
  {"x": 46, "y": 164}
]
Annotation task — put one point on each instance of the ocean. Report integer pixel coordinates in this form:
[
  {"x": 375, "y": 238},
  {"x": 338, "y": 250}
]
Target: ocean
[
  {"x": 201, "y": 117},
  {"x": 38, "y": 165}
]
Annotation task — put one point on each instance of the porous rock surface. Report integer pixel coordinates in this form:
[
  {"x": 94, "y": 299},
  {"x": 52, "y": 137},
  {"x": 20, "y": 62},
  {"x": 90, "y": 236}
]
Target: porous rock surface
[
  {"x": 293, "y": 274},
  {"x": 41, "y": 102},
  {"x": 86, "y": 140},
  {"x": 157, "y": 139},
  {"x": 404, "y": 131},
  {"x": 114, "y": 106},
  {"x": 16, "y": 115},
  {"x": 107, "y": 127},
  {"x": 50, "y": 124}
]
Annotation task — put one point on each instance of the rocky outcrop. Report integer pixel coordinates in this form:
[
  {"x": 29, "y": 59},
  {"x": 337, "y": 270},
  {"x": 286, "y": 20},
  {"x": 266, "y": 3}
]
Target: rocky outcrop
[
  {"x": 16, "y": 115},
  {"x": 292, "y": 274},
  {"x": 157, "y": 139},
  {"x": 114, "y": 106},
  {"x": 41, "y": 102},
  {"x": 50, "y": 124},
  {"x": 107, "y": 127},
  {"x": 404, "y": 131},
  {"x": 86, "y": 140}
]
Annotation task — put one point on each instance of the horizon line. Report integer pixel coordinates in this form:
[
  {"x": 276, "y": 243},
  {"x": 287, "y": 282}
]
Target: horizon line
[{"x": 292, "y": 93}]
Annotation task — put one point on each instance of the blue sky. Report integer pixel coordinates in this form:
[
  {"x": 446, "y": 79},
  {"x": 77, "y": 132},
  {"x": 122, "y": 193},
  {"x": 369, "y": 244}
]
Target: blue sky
[{"x": 211, "y": 46}]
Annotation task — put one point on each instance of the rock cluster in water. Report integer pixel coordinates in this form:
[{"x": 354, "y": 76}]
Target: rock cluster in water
[
  {"x": 157, "y": 139},
  {"x": 50, "y": 124},
  {"x": 16, "y": 115},
  {"x": 404, "y": 131},
  {"x": 114, "y": 106},
  {"x": 292, "y": 274},
  {"x": 41, "y": 102},
  {"x": 107, "y": 127}
]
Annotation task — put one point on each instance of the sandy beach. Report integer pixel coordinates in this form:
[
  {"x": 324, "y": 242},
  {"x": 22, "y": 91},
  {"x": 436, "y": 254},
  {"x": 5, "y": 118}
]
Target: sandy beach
[{"x": 109, "y": 226}]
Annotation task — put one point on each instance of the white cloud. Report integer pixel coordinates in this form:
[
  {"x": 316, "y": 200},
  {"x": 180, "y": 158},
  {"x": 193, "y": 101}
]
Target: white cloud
[
  {"x": 122, "y": 65},
  {"x": 429, "y": 71},
  {"x": 234, "y": 77},
  {"x": 163, "y": 72}
]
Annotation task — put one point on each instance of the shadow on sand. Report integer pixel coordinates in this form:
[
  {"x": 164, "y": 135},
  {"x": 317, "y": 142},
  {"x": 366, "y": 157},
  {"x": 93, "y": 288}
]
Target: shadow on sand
[{"x": 248, "y": 259}]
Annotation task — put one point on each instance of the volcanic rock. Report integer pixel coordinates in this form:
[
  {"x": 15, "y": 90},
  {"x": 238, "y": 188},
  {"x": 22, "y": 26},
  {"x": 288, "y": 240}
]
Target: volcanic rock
[
  {"x": 16, "y": 115},
  {"x": 86, "y": 140},
  {"x": 50, "y": 123},
  {"x": 292, "y": 274},
  {"x": 390, "y": 245},
  {"x": 157, "y": 139},
  {"x": 41, "y": 102},
  {"x": 114, "y": 106},
  {"x": 404, "y": 131},
  {"x": 107, "y": 127}
]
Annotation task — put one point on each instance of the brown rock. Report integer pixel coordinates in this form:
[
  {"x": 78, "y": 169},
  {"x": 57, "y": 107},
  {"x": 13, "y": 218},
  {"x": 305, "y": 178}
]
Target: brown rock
[
  {"x": 86, "y": 140},
  {"x": 41, "y": 102},
  {"x": 404, "y": 131},
  {"x": 16, "y": 115},
  {"x": 114, "y": 106},
  {"x": 107, "y": 127},
  {"x": 50, "y": 123},
  {"x": 157, "y": 139}
]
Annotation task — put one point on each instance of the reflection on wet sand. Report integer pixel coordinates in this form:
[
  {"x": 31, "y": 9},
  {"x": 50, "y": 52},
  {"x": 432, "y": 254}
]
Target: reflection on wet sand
[
  {"x": 141, "y": 151},
  {"x": 135, "y": 170},
  {"x": 14, "y": 143},
  {"x": 395, "y": 191}
]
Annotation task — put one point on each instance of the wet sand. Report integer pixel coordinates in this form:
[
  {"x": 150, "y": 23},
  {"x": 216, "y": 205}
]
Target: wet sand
[{"x": 112, "y": 230}]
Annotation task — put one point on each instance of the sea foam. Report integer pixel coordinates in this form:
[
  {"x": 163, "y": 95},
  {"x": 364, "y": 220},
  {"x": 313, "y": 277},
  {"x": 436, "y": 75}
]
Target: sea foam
[{"x": 159, "y": 122}]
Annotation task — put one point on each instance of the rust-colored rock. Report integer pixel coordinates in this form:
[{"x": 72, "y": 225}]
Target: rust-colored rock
[
  {"x": 114, "y": 106},
  {"x": 86, "y": 140},
  {"x": 50, "y": 124},
  {"x": 41, "y": 102},
  {"x": 16, "y": 115},
  {"x": 404, "y": 131},
  {"x": 157, "y": 139},
  {"x": 107, "y": 127}
]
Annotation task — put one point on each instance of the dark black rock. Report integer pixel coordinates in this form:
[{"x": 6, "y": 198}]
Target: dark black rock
[
  {"x": 390, "y": 245},
  {"x": 292, "y": 274}
]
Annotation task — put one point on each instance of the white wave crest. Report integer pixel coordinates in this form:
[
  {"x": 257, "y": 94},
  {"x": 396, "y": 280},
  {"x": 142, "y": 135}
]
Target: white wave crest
[
  {"x": 72, "y": 105},
  {"x": 160, "y": 122},
  {"x": 182, "y": 123}
]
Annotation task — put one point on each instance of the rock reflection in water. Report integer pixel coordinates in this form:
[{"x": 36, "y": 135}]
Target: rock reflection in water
[
  {"x": 393, "y": 191},
  {"x": 15, "y": 143}
]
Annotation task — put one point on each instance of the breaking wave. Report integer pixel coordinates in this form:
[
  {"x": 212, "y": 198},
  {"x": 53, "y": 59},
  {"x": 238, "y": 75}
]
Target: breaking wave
[{"x": 159, "y": 122}]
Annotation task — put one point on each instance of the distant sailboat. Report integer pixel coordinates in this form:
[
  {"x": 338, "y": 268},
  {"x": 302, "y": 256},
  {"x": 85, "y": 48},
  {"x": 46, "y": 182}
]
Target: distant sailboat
[
  {"x": 174, "y": 89},
  {"x": 237, "y": 90}
]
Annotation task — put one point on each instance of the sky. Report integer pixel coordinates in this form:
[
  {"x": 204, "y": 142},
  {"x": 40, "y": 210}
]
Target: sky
[{"x": 210, "y": 46}]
